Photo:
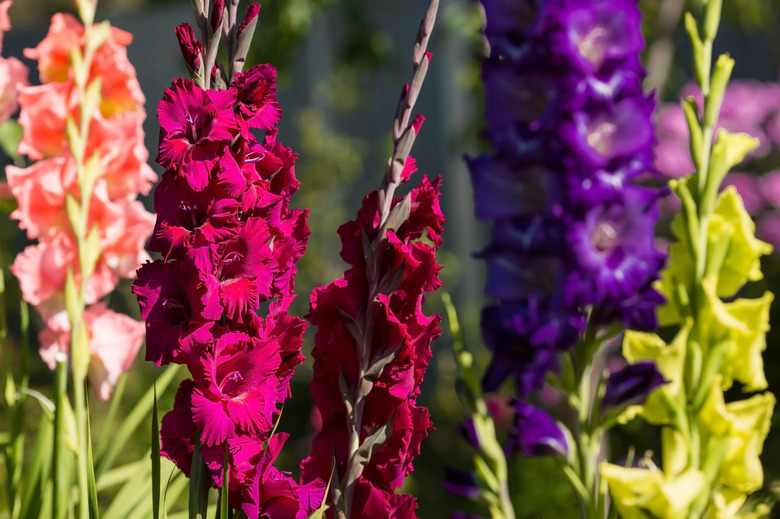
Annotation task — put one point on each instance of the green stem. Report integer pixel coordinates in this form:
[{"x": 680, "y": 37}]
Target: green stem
[
  {"x": 61, "y": 486},
  {"x": 79, "y": 339},
  {"x": 583, "y": 397}
]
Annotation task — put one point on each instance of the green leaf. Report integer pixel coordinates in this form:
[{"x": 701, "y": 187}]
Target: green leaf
[
  {"x": 720, "y": 232},
  {"x": 133, "y": 420},
  {"x": 80, "y": 72},
  {"x": 73, "y": 210},
  {"x": 319, "y": 513},
  {"x": 242, "y": 47},
  {"x": 61, "y": 455},
  {"x": 92, "y": 96},
  {"x": 691, "y": 111},
  {"x": 199, "y": 485},
  {"x": 91, "y": 252},
  {"x": 699, "y": 59},
  {"x": 398, "y": 216},
  {"x": 720, "y": 79},
  {"x": 155, "y": 443},
  {"x": 11, "y": 134},
  {"x": 38, "y": 467},
  {"x": 79, "y": 349},
  {"x": 712, "y": 9},
  {"x": 224, "y": 509},
  {"x": 98, "y": 35},
  {"x": 73, "y": 134},
  {"x": 93, "y": 170},
  {"x": 93, "y": 509},
  {"x": 134, "y": 494}
]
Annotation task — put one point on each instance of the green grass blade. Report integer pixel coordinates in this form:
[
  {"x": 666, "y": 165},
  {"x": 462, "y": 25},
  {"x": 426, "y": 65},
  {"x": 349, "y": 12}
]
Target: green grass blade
[
  {"x": 135, "y": 419},
  {"x": 133, "y": 494},
  {"x": 61, "y": 486},
  {"x": 120, "y": 475},
  {"x": 224, "y": 492},
  {"x": 199, "y": 485},
  {"x": 108, "y": 423},
  {"x": 176, "y": 485},
  {"x": 38, "y": 469},
  {"x": 155, "y": 442},
  {"x": 94, "y": 511}
]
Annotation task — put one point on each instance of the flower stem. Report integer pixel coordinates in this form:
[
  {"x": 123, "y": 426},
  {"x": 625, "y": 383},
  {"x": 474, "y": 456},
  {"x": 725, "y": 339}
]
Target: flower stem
[
  {"x": 588, "y": 437},
  {"x": 404, "y": 133}
]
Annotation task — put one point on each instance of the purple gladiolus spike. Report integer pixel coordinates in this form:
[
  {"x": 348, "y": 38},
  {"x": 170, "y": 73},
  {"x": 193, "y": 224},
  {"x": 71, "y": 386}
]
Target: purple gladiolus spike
[{"x": 572, "y": 232}]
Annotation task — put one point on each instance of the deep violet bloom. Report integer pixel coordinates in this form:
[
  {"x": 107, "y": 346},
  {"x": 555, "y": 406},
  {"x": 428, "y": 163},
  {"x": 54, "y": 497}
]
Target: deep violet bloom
[
  {"x": 631, "y": 385},
  {"x": 535, "y": 433},
  {"x": 468, "y": 432},
  {"x": 461, "y": 482},
  {"x": 571, "y": 131}
]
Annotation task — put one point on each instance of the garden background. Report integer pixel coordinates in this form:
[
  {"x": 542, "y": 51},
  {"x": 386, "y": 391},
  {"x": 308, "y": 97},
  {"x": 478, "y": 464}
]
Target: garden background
[{"x": 341, "y": 65}]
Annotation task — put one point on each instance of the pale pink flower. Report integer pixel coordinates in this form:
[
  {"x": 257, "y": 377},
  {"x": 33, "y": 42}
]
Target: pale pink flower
[
  {"x": 42, "y": 270},
  {"x": 115, "y": 135},
  {"x": 12, "y": 71},
  {"x": 120, "y": 89},
  {"x": 44, "y": 109},
  {"x": 123, "y": 155},
  {"x": 114, "y": 341},
  {"x": 40, "y": 192},
  {"x": 122, "y": 241}
]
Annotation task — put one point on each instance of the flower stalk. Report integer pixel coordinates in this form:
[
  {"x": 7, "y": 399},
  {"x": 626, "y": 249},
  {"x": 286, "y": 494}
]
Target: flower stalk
[
  {"x": 373, "y": 341},
  {"x": 718, "y": 342},
  {"x": 572, "y": 258},
  {"x": 404, "y": 134},
  {"x": 489, "y": 458}
]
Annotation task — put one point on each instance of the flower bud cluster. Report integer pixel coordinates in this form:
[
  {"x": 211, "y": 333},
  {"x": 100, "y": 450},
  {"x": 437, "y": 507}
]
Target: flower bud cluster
[
  {"x": 571, "y": 131},
  {"x": 229, "y": 242},
  {"x": 46, "y": 191}
]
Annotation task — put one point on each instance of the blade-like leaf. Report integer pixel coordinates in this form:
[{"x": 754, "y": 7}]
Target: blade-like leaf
[
  {"x": 136, "y": 417},
  {"x": 155, "y": 442}
]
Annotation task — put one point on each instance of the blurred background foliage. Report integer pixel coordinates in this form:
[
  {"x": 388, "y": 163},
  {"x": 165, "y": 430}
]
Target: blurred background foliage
[{"x": 341, "y": 66}]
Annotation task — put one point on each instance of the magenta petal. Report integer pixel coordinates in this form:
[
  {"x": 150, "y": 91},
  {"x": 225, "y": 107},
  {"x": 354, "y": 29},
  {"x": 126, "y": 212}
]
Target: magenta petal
[
  {"x": 246, "y": 411},
  {"x": 211, "y": 416},
  {"x": 238, "y": 296}
]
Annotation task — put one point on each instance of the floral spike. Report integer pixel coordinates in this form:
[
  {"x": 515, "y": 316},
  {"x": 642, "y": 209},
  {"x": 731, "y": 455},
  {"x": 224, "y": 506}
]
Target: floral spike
[
  {"x": 572, "y": 259},
  {"x": 709, "y": 446},
  {"x": 373, "y": 342},
  {"x": 229, "y": 242}
]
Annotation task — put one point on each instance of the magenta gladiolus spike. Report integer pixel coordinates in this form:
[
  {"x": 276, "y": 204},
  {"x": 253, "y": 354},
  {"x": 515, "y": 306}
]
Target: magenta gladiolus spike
[{"x": 229, "y": 242}]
